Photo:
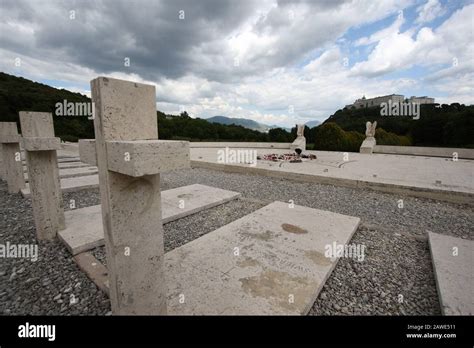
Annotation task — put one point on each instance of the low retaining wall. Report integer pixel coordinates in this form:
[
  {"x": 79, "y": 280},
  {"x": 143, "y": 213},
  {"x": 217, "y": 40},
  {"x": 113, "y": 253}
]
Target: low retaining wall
[
  {"x": 424, "y": 151},
  {"x": 69, "y": 146},
  {"x": 240, "y": 145}
]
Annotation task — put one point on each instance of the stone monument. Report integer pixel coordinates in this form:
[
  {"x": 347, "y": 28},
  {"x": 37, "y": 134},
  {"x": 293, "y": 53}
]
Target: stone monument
[
  {"x": 130, "y": 159},
  {"x": 300, "y": 141},
  {"x": 369, "y": 143},
  {"x": 11, "y": 156},
  {"x": 40, "y": 147}
]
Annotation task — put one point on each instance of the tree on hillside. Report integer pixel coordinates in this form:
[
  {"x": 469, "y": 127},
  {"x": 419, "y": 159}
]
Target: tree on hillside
[
  {"x": 279, "y": 135},
  {"x": 329, "y": 136}
]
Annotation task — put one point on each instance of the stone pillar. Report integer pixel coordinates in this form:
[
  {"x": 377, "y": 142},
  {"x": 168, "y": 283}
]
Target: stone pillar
[
  {"x": 10, "y": 143},
  {"x": 43, "y": 174},
  {"x": 130, "y": 158}
]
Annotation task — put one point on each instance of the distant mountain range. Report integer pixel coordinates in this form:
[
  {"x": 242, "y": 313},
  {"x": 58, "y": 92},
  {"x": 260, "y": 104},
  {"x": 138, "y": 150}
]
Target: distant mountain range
[
  {"x": 251, "y": 124},
  {"x": 244, "y": 122},
  {"x": 312, "y": 124}
]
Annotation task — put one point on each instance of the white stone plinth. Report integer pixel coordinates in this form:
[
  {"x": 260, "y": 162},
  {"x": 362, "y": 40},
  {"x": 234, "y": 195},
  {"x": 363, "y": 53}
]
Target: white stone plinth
[{"x": 368, "y": 145}]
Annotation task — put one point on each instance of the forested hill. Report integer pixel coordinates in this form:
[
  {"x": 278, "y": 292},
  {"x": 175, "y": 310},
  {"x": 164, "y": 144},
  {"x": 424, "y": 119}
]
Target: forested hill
[
  {"x": 439, "y": 125},
  {"x": 20, "y": 94}
]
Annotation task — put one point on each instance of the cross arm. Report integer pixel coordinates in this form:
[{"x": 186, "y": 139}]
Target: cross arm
[{"x": 147, "y": 157}]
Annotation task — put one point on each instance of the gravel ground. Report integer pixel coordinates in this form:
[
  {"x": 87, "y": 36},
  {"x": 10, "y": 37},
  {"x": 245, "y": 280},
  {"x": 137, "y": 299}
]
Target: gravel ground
[
  {"x": 396, "y": 276},
  {"x": 47, "y": 285}
]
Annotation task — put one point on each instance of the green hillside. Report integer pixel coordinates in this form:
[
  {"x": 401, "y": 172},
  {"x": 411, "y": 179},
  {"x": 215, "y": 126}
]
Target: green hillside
[
  {"x": 439, "y": 125},
  {"x": 19, "y": 94}
]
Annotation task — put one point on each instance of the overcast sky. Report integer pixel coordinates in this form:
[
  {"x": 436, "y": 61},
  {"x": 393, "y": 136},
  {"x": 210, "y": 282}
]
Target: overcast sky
[{"x": 276, "y": 62}]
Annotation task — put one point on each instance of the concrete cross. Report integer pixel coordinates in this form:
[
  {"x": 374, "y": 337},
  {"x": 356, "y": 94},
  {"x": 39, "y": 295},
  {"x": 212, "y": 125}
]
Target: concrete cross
[
  {"x": 11, "y": 156},
  {"x": 43, "y": 173},
  {"x": 130, "y": 159}
]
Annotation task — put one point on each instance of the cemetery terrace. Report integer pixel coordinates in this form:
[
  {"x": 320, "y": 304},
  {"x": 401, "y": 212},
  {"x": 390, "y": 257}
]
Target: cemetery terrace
[{"x": 127, "y": 223}]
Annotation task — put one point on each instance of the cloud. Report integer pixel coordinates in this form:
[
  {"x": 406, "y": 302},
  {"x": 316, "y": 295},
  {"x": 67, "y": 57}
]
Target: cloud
[
  {"x": 261, "y": 35},
  {"x": 384, "y": 33},
  {"x": 429, "y": 11},
  {"x": 453, "y": 40},
  {"x": 102, "y": 34},
  {"x": 245, "y": 58}
]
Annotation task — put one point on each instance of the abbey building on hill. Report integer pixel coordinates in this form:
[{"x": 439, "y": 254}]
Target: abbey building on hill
[{"x": 392, "y": 98}]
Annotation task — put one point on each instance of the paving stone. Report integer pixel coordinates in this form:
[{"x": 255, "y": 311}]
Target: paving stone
[
  {"x": 278, "y": 269},
  {"x": 74, "y": 172},
  {"x": 67, "y": 159},
  {"x": 84, "y": 230},
  {"x": 453, "y": 263},
  {"x": 72, "y": 184},
  {"x": 65, "y": 165}
]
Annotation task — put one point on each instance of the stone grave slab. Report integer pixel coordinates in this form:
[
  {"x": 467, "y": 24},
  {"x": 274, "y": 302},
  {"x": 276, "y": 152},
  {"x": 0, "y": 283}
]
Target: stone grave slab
[
  {"x": 71, "y": 184},
  {"x": 454, "y": 273},
  {"x": 84, "y": 230},
  {"x": 74, "y": 172},
  {"x": 280, "y": 267},
  {"x": 65, "y": 159},
  {"x": 66, "y": 165},
  {"x": 69, "y": 159}
]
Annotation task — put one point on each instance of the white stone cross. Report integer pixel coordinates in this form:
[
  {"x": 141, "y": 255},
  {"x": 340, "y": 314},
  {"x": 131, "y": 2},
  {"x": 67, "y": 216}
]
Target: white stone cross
[
  {"x": 130, "y": 159},
  {"x": 11, "y": 156},
  {"x": 43, "y": 173}
]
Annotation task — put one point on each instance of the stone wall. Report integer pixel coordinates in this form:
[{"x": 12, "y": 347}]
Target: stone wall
[
  {"x": 425, "y": 151},
  {"x": 241, "y": 145}
]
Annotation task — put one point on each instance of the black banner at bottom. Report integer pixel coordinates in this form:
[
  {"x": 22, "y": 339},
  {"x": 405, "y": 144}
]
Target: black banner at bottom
[{"x": 336, "y": 330}]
